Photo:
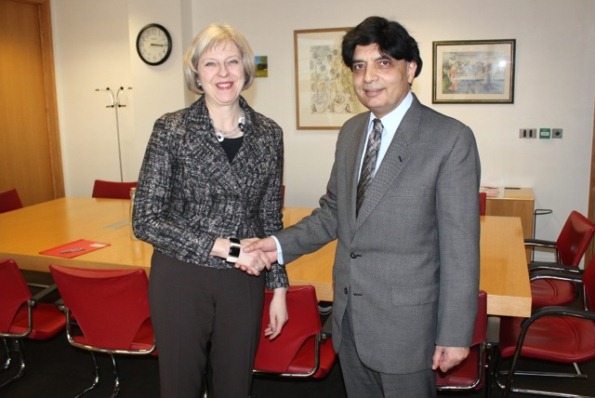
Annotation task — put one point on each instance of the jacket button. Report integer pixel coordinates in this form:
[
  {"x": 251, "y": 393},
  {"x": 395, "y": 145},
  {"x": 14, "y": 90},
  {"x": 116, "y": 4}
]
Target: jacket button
[{"x": 345, "y": 290}]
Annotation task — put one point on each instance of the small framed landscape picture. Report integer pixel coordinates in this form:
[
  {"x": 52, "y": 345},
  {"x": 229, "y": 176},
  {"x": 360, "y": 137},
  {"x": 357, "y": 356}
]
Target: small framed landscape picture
[{"x": 473, "y": 71}]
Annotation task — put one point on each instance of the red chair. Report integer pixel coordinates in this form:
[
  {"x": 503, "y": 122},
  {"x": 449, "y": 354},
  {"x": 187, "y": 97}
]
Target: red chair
[
  {"x": 107, "y": 311},
  {"x": 302, "y": 349},
  {"x": 23, "y": 316},
  {"x": 112, "y": 189},
  {"x": 573, "y": 241},
  {"x": 10, "y": 200},
  {"x": 557, "y": 334},
  {"x": 483, "y": 197},
  {"x": 471, "y": 374}
]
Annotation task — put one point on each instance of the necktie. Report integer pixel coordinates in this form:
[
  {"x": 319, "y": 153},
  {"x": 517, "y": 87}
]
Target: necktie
[{"x": 369, "y": 163}]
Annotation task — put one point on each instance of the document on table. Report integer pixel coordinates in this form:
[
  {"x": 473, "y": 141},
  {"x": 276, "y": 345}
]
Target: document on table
[{"x": 74, "y": 249}]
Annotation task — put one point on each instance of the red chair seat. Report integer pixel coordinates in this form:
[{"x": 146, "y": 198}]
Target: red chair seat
[
  {"x": 292, "y": 353},
  {"x": 547, "y": 292},
  {"x": 559, "y": 334},
  {"x": 562, "y": 339},
  {"x": 47, "y": 318},
  {"x": 303, "y": 362},
  {"x": 463, "y": 375}
]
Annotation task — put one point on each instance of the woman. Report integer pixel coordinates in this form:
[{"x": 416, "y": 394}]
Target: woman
[{"x": 211, "y": 178}]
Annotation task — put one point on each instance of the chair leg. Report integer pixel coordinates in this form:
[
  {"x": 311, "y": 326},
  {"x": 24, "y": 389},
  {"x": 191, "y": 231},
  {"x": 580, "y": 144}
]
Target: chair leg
[
  {"x": 489, "y": 368},
  {"x": 7, "y": 361},
  {"x": 95, "y": 377},
  {"x": 19, "y": 349},
  {"x": 510, "y": 374},
  {"x": 116, "y": 390}
]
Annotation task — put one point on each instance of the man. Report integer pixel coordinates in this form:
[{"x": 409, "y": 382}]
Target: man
[{"x": 407, "y": 262}]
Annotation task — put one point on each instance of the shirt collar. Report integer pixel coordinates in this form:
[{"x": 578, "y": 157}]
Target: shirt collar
[{"x": 392, "y": 120}]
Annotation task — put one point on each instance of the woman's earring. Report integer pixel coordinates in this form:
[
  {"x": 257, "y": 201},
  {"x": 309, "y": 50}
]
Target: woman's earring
[{"x": 199, "y": 84}]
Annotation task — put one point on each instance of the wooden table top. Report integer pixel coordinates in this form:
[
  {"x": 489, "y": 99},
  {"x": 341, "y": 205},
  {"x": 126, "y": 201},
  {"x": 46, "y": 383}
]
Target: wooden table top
[{"x": 26, "y": 232}]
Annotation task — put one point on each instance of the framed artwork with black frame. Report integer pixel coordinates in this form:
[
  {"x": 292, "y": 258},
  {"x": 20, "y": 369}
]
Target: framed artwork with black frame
[{"x": 473, "y": 71}]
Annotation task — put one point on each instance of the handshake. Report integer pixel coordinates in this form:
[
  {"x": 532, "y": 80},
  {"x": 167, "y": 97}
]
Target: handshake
[{"x": 256, "y": 255}]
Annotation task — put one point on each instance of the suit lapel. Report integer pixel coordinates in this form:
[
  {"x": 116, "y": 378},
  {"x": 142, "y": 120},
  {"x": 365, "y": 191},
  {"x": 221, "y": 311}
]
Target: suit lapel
[{"x": 394, "y": 161}]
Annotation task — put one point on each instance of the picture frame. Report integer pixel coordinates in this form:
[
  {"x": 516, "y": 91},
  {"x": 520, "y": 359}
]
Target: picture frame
[
  {"x": 325, "y": 97},
  {"x": 473, "y": 71}
]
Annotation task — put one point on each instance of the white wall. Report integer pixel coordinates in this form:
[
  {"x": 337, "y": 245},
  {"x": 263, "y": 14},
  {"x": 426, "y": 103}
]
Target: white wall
[{"x": 555, "y": 85}]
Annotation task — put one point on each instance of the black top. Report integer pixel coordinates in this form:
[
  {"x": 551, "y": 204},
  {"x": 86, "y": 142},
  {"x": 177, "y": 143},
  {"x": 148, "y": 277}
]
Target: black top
[{"x": 232, "y": 146}]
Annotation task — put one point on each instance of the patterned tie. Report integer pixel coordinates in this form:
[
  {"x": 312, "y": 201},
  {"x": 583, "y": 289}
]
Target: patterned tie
[{"x": 369, "y": 164}]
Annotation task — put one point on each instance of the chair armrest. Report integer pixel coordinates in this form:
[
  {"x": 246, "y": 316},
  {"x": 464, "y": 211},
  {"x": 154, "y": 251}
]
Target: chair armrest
[
  {"x": 43, "y": 294},
  {"x": 562, "y": 276},
  {"x": 37, "y": 285},
  {"x": 539, "y": 265},
  {"x": 540, "y": 243},
  {"x": 557, "y": 311}
]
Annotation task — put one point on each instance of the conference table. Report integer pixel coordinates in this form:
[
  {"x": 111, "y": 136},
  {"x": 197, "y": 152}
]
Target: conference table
[{"x": 26, "y": 232}]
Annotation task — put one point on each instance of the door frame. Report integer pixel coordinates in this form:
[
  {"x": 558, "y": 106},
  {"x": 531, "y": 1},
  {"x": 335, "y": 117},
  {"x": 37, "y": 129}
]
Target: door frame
[{"x": 591, "y": 251}]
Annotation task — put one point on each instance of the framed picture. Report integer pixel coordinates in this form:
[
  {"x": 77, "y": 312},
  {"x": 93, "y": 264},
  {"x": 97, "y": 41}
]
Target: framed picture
[
  {"x": 474, "y": 71},
  {"x": 325, "y": 97}
]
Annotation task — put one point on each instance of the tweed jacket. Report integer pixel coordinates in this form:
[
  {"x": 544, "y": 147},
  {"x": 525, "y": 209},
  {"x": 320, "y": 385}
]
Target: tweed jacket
[
  {"x": 189, "y": 193},
  {"x": 407, "y": 267}
]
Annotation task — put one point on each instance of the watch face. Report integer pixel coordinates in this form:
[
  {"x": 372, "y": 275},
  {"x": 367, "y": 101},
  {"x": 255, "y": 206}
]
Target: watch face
[{"x": 153, "y": 44}]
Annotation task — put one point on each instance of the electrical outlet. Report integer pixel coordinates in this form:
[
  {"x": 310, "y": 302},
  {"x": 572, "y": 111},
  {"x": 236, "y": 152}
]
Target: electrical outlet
[
  {"x": 527, "y": 133},
  {"x": 557, "y": 133}
]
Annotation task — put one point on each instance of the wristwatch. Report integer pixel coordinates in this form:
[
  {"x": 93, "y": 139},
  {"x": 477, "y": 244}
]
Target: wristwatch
[{"x": 234, "y": 250}]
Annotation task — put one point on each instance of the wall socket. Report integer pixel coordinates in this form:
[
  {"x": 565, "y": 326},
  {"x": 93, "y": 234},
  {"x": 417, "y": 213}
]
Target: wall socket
[
  {"x": 557, "y": 133},
  {"x": 527, "y": 133}
]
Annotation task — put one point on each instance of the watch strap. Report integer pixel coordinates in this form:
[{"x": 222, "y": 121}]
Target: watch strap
[{"x": 234, "y": 250}]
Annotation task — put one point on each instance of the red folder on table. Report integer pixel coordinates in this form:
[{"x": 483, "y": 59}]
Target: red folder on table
[{"x": 74, "y": 249}]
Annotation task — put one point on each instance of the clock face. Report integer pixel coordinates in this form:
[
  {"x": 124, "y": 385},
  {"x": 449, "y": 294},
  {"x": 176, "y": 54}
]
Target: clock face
[{"x": 153, "y": 44}]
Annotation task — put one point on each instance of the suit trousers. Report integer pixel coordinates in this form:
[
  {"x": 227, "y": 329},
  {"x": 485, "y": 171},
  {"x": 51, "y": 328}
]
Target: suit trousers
[
  {"x": 204, "y": 315},
  {"x": 361, "y": 381}
]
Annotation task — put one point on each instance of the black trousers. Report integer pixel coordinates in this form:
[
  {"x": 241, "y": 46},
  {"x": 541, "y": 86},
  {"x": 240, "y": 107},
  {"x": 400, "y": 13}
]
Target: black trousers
[{"x": 201, "y": 314}]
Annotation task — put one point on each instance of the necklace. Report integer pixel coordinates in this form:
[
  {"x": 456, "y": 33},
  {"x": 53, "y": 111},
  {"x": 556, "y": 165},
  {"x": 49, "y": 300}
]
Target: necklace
[{"x": 236, "y": 132}]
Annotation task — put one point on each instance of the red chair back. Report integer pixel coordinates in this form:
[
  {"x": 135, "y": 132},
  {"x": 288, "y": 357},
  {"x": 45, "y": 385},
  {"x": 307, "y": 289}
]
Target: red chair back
[
  {"x": 293, "y": 350},
  {"x": 14, "y": 293},
  {"x": 10, "y": 200},
  {"x": 483, "y": 197},
  {"x": 110, "y": 306},
  {"x": 574, "y": 238},
  {"x": 112, "y": 189}
]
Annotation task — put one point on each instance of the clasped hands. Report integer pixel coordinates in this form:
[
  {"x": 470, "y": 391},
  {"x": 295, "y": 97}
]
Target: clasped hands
[{"x": 256, "y": 255}]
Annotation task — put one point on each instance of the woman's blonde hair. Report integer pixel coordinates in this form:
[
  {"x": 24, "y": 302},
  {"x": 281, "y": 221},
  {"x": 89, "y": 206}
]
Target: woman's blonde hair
[{"x": 210, "y": 37}]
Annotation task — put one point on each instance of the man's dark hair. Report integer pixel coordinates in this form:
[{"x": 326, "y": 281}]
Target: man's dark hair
[{"x": 392, "y": 39}]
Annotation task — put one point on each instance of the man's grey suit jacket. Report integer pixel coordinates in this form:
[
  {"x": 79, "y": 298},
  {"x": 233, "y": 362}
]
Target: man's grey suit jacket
[{"x": 408, "y": 265}]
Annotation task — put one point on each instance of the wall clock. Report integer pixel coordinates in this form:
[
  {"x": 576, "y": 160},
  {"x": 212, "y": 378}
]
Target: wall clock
[{"x": 153, "y": 44}]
